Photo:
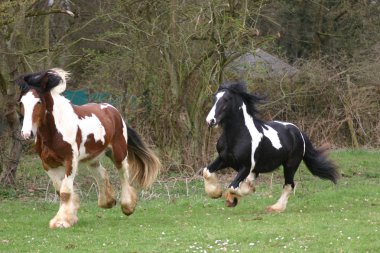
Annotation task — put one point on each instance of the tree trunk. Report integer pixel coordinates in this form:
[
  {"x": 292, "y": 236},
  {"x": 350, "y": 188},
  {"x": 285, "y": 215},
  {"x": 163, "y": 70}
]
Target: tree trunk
[{"x": 13, "y": 66}]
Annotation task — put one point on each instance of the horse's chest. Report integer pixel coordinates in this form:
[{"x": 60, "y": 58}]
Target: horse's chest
[
  {"x": 53, "y": 151},
  {"x": 50, "y": 158},
  {"x": 235, "y": 149}
]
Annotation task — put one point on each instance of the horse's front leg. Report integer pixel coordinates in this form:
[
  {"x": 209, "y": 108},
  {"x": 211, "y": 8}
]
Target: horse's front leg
[
  {"x": 212, "y": 186},
  {"x": 247, "y": 187},
  {"x": 56, "y": 175},
  {"x": 69, "y": 200},
  {"x": 235, "y": 190}
]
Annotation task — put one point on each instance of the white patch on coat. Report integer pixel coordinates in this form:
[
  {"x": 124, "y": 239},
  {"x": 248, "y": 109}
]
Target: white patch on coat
[
  {"x": 255, "y": 134},
  {"x": 64, "y": 75},
  {"x": 29, "y": 101},
  {"x": 66, "y": 120},
  {"x": 272, "y": 135},
  {"x": 211, "y": 114},
  {"x": 125, "y": 131},
  {"x": 67, "y": 123},
  {"x": 90, "y": 125},
  {"x": 303, "y": 139},
  {"x": 105, "y": 105},
  {"x": 56, "y": 175}
]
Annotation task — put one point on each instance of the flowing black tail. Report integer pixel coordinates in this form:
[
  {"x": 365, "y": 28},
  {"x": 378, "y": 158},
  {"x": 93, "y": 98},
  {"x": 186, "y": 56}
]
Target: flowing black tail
[
  {"x": 144, "y": 164},
  {"x": 318, "y": 164}
]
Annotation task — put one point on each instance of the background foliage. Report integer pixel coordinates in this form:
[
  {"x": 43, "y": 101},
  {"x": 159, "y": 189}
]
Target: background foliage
[{"x": 163, "y": 60}]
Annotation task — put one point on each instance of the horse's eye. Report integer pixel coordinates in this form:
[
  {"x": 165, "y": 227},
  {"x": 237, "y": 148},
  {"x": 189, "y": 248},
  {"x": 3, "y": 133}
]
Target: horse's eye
[{"x": 39, "y": 102}]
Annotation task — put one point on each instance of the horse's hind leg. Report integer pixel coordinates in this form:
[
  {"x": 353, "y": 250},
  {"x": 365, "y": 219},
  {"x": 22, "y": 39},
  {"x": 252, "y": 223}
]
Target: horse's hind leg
[
  {"x": 289, "y": 171},
  {"x": 128, "y": 196},
  {"x": 106, "y": 197}
]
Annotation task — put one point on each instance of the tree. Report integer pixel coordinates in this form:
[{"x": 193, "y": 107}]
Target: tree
[{"x": 18, "y": 50}]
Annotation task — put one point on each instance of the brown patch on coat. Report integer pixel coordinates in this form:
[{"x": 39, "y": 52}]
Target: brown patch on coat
[{"x": 65, "y": 196}]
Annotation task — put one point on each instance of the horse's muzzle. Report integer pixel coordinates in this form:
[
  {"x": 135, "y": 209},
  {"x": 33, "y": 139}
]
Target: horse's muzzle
[
  {"x": 27, "y": 135},
  {"x": 211, "y": 123}
]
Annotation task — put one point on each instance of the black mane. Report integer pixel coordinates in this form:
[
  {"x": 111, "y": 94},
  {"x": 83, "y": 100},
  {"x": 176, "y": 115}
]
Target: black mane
[
  {"x": 42, "y": 81},
  {"x": 240, "y": 88}
]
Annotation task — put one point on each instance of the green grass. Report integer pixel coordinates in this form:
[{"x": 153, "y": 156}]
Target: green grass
[{"x": 176, "y": 216}]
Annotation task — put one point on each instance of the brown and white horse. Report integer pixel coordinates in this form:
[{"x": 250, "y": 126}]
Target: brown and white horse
[{"x": 67, "y": 134}]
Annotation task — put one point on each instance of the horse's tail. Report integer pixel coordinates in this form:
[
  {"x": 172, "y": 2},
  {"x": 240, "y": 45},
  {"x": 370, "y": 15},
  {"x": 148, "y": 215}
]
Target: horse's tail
[
  {"x": 317, "y": 162},
  {"x": 144, "y": 165}
]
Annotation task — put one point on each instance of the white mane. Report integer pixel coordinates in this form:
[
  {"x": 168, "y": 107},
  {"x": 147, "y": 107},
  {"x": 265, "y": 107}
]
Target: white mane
[{"x": 64, "y": 75}]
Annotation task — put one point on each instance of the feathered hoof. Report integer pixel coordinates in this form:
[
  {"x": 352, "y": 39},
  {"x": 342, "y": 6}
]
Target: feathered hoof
[
  {"x": 214, "y": 192},
  {"x": 128, "y": 201},
  {"x": 109, "y": 204},
  {"x": 60, "y": 222},
  {"x": 232, "y": 199},
  {"x": 247, "y": 188},
  {"x": 212, "y": 186},
  {"x": 274, "y": 209},
  {"x": 127, "y": 210}
]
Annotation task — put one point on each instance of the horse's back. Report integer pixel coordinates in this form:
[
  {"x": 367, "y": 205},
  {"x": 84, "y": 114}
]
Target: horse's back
[
  {"x": 284, "y": 143},
  {"x": 100, "y": 125},
  {"x": 109, "y": 116}
]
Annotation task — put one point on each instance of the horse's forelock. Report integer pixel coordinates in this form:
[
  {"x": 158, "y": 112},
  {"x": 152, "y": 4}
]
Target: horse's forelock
[
  {"x": 44, "y": 81},
  {"x": 240, "y": 88},
  {"x": 234, "y": 86},
  {"x": 22, "y": 84}
]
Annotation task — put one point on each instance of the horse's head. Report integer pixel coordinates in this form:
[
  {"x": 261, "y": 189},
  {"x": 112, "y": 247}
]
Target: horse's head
[
  {"x": 31, "y": 107},
  {"x": 225, "y": 102},
  {"x": 33, "y": 89},
  {"x": 228, "y": 100}
]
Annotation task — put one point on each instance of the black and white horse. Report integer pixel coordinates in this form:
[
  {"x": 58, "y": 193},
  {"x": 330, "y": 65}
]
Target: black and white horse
[{"x": 252, "y": 146}]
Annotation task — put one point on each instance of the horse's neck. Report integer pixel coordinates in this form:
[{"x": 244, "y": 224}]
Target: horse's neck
[
  {"x": 59, "y": 116},
  {"x": 234, "y": 120},
  {"x": 233, "y": 123},
  {"x": 242, "y": 119}
]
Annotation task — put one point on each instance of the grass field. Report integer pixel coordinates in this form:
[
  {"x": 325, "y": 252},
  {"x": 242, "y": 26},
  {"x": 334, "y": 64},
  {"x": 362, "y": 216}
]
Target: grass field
[{"x": 176, "y": 216}]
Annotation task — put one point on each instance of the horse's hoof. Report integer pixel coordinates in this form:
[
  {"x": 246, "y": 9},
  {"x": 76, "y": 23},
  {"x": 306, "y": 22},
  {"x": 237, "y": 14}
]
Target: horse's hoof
[
  {"x": 271, "y": 209},
  {"x": 232, "y": 197},
  {"x": 232, "y": 203},
  {"x": 59, "y": 224},
  {"x": 213, "y": 191},
  {"x": 216, "y": 194},
  {"x": 212, "y": 186},
  {"x": 109, "y": 204},
  {"x": 247, "y": 188},
  {"x": 127, "y": 210}
]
